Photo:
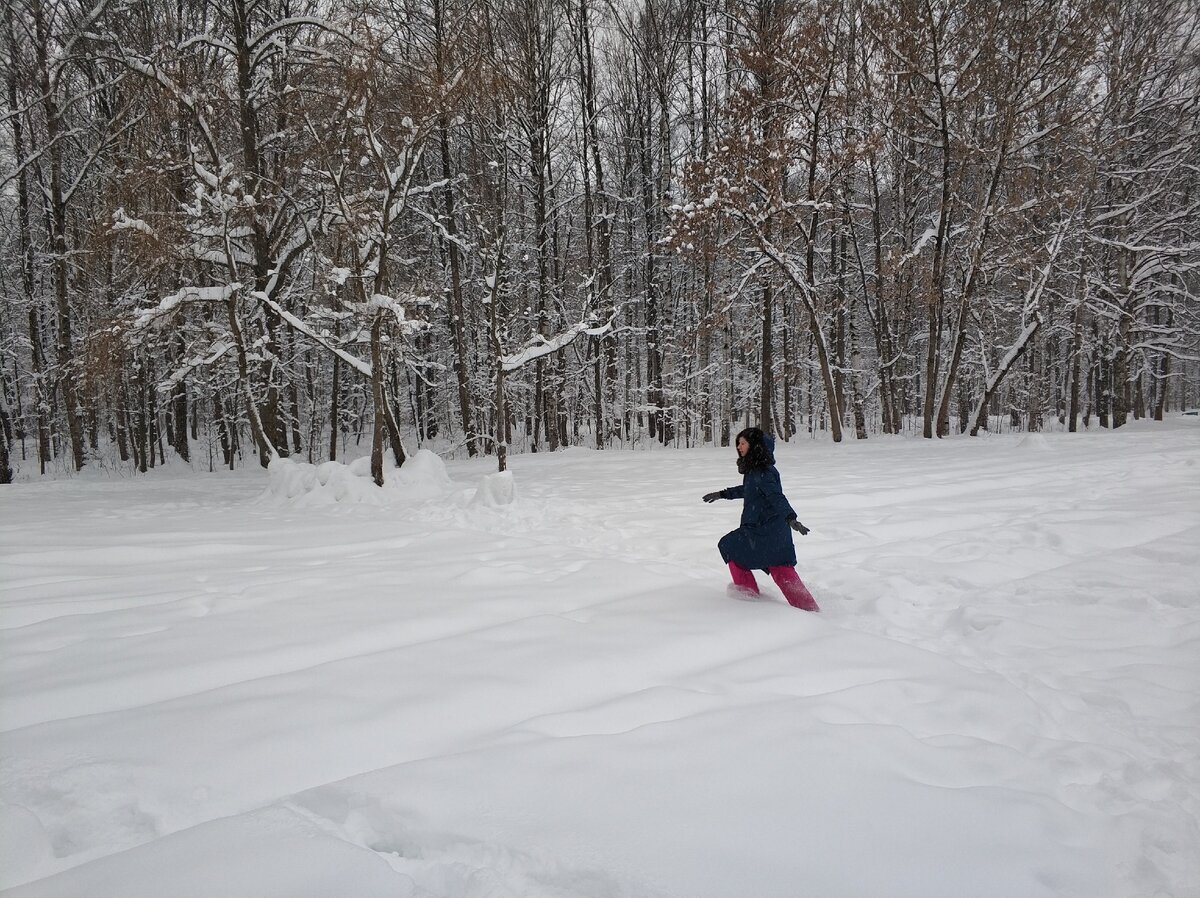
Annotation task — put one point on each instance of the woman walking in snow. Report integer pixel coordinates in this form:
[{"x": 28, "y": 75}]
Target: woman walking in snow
[{"x": 764, "y": 540}]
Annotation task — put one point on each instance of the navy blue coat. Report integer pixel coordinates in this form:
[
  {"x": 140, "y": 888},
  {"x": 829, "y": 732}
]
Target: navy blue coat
[{"x": 765, "y": 539}]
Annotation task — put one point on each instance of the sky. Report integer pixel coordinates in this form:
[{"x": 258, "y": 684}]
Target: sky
[{"x": 293, "y": 683}]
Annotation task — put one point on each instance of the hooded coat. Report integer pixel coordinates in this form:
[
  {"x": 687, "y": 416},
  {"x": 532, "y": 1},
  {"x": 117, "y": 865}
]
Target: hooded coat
[{"x": 764, "y": 540}]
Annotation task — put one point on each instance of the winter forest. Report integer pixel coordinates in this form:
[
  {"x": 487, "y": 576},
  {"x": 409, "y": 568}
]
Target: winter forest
[{"x": 236, "y": 229}]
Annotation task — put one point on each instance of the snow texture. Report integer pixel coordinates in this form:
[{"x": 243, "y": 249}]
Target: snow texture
[{"x": 296, "y": 683}]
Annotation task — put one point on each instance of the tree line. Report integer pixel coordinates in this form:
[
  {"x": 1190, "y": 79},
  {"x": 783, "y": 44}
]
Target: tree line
[{"x": 261, "y": 228}]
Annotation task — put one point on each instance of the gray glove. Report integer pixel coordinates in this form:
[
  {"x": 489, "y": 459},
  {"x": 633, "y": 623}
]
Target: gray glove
[
  {"x": 713, "y": 497},
  {"x": 798, "y": 527}
]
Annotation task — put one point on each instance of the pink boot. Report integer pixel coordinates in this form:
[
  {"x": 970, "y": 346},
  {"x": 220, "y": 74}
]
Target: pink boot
[
  {"x": 743, "y": 580},
  {"x": 793, "y": 588}
]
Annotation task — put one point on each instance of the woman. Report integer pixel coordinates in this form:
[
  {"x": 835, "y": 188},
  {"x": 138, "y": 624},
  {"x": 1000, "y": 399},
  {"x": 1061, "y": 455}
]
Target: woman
[{"x": 764, "y": 540}]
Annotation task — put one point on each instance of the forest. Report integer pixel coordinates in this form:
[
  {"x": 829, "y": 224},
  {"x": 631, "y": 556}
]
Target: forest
[{"x": 235, "y": 230}]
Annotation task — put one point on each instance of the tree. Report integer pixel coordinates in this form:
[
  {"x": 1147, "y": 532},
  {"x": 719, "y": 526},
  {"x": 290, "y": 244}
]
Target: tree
[
  {"x": 1145, "y": 251},
  {"x": 64, "y": 153},
  {"x": 768, "y": 177}
]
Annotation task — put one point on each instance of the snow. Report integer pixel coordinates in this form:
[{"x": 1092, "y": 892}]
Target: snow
[
  {"x": 191, "y": 293},
  {"x": 539, "y": 345},
  {"x": 535, "y": 684},
  {"x": 423, "y": 476},
  {"x": 496, "y": 490},
  {"x": 122, "y": 221}
]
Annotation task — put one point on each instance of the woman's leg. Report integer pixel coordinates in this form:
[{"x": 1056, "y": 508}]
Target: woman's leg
[
  {"x": 793, "y": 588},
  {"x": 742, "y": 578}
]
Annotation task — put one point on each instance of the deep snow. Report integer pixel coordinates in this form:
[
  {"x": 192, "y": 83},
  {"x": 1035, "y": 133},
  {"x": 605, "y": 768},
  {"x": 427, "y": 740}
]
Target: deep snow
[{"x": 538, "y": 685}]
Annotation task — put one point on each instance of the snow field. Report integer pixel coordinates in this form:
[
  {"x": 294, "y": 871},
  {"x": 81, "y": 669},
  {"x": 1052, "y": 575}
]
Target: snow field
[{"x": 471, "y": 685}]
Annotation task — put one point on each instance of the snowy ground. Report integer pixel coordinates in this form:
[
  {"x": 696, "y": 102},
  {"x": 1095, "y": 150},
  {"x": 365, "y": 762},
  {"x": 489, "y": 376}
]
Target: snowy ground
[{"x": 210, "y": 689}]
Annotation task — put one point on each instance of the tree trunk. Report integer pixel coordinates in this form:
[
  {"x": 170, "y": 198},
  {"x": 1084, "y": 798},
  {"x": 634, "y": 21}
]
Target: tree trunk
[
  {"x": 457, "y": 308},
  {"x": 598, "y": 219},
  {"x": 6, "y": 434},
  {"x": 120, "y": 419},
  {"x": 379, "y": 430},
  {"x": 270, "y": 419},
  {"x": 766, "y": 386},
  {"x": 335, "y": 408},
  {"x": 1120, "y": 364},
  {"x": 997, "y": 378},
  {"x": 179, "y": 410},
  {"x": 1076, "y": 355},
  {"x": 266, "y": 450},
  {"x": 937, "y": 281},
  {"x": 393, "y": 431},
  {"x": 60, "y": 269},
  {"x": 1164, "y": 375},
  {"x": 25, "y": 248}
]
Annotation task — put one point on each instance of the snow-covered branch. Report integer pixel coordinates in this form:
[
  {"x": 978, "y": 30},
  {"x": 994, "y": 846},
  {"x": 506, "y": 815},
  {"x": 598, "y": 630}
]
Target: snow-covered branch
[
  {"x": 540, "y": 346},
  {"x": 354, "y": 361},
  {"x": 168, "y": 305}
]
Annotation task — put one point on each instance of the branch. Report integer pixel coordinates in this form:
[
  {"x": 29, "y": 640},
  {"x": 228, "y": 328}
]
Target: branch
[
  {"x": 1032, "y": 300},
  {"x": 169, "y": 304},
  {"x": 541, "y": 346},
  {"x": 68, "y": 48},
  {"x": 215, "y": 352},
  {"x": 355, "y": 362},
  {"x": 294, "y": 22},
  {"x": 1014, "y": 353}
]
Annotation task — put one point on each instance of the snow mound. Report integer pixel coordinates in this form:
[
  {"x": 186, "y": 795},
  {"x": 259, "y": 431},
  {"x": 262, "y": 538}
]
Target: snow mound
[
  {"x": 496, "y": 490},
  {"x": 1035, "y": 441},
  {"x": 423, "y": 476}
]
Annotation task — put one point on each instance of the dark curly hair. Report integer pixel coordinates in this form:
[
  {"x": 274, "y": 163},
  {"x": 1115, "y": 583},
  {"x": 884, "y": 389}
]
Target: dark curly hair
[{"x": 758, "y": 456}]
